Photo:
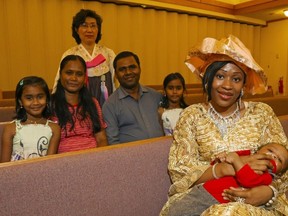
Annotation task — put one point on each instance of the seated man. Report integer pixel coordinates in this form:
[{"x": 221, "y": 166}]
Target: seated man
[{"x": 131, "y": 111}]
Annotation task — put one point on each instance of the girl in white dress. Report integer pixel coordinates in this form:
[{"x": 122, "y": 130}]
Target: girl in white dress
[
  {"x": 172, "y": 103},
  {"x": 31, "y": 134}
]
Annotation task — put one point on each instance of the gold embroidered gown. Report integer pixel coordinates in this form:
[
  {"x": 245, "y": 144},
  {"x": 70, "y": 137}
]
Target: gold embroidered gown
[{"x": 197, "y": 140}]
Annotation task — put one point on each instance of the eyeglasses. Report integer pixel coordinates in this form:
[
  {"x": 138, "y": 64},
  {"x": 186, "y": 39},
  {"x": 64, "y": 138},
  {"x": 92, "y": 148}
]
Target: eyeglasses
[{"x": 92, "y": 26}]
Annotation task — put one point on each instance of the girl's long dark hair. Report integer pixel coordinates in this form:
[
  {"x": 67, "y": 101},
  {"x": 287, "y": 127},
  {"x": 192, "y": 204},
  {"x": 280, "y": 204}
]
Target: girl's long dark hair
[
  {"x": 30, "y": 81},
  {"x": 86, "y": 107},
  {"x": 173, "y": 76}
]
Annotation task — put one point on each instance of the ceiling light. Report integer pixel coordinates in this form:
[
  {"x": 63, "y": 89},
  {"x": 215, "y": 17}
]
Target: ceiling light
[{"x": 286, "y": 13}]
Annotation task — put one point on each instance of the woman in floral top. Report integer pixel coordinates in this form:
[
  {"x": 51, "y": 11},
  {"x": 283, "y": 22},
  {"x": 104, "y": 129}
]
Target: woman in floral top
[{"x": 75, "y": 110}]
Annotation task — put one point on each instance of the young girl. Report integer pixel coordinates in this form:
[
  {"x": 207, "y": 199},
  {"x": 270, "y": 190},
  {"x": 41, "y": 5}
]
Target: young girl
[
  {"x": 172, "y": 102},
  {"x": 76, "y": 111},
  {"x": 30, "y": 135}
]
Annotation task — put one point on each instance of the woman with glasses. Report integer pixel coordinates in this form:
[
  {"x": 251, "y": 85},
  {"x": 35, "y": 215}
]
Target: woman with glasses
[{"x": 86, "y": 30}]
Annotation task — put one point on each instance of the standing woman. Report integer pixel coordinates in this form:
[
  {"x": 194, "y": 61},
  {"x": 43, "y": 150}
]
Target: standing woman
[
  {"x": 224, "y": 123},
  {"x": 76, "y": 111},
  {"x": 86, "y": 30}
]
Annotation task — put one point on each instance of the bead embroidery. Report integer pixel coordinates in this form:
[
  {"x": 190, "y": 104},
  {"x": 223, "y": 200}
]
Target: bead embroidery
[{"x": 223, "y": 123}]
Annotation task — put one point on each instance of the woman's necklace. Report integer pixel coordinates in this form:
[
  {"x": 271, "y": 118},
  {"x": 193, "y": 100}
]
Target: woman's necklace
[
  {"x": 35, "y": 121},
  {"x": 223, "y": 123}
]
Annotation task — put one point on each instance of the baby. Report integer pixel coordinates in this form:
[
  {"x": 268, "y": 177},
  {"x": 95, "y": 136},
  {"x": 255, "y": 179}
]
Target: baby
[{"x": 244, "y": 175}]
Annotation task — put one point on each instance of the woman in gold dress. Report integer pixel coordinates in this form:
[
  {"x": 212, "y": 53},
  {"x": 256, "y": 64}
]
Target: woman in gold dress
[{"x": 224, "y": 123}]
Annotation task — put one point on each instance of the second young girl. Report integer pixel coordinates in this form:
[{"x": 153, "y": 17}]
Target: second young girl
[
  {"x": 30, "y": 135},
  {"x": 172, "y": 102}
]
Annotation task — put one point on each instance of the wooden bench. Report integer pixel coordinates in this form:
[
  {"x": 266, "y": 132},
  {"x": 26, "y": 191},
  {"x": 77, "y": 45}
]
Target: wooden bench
[
  {"x": 268, "y": 93},
  {"x": 278, "y": 103},
  {"x": 7, "y": 102},
  {"x": 123, "y": 180},
  {"x": 188, "y": 86},
  {"x": 7, "y": 113},
  {"x": 8, "y": 94}
]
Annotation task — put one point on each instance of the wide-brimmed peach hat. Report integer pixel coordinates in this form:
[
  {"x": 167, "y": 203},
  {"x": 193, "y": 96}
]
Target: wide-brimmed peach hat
[{"x": 227, "y": 49}]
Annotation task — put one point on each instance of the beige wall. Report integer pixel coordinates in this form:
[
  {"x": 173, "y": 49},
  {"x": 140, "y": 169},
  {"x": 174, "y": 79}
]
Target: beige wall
[
  {"x": 35, "y": 33},
  {"x": 274, "y": 53}
]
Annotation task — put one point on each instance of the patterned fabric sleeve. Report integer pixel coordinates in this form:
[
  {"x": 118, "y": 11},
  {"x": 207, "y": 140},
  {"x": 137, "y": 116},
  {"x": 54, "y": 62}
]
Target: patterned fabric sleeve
[{"x": 184, "y": 165}]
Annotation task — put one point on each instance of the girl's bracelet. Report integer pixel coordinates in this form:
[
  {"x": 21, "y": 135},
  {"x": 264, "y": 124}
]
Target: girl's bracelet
[{"x": 275, "y": 194}]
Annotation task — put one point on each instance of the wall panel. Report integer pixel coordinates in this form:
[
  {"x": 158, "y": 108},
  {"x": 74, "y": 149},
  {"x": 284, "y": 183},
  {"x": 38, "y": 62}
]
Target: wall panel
[
  {"x": 220, "y": 30},
  {"x": 35, "y": 34},
  {"x": 4, "y": 47},
  {"x": 16, "y": 41},
  {"x": 274, "y": 53},
  {"x": 161, "y": 46}
]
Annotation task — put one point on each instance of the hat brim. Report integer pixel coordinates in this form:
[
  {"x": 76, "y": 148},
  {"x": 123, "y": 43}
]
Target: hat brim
[{"x": 227, "y": 49}]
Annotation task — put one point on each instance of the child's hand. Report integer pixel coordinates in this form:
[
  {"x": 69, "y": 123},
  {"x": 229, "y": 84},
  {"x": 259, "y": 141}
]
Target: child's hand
[
  {"x": 231, "y": 157},
  {"x": 226, "y": 157},
  {"x": 221, "y": 157}
]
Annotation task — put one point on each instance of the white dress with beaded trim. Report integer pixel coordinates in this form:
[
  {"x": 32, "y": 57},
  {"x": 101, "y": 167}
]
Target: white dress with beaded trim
[
  {"x": 31, "y": 140},
  {"x": 170, "y": 118}
]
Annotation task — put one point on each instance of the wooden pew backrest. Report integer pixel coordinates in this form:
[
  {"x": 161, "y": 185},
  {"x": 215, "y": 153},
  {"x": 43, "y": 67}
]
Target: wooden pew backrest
[
  {"x": 7, "y": 114},
  {"x": 122, "y": 180}
]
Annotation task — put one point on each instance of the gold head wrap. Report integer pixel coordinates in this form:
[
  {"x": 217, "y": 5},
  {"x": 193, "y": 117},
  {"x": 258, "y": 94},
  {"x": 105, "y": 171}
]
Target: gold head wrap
[{"x": 227, "y": 49}]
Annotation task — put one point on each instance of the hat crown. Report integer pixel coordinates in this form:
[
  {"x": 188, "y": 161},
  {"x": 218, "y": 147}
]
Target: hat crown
[{"x": 226, "y": 49}]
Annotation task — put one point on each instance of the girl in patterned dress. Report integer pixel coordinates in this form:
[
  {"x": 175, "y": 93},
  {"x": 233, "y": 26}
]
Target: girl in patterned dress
[{"x": 31, "y": 134}]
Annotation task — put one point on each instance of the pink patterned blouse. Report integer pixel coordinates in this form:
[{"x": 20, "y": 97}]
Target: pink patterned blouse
[{"x": 82, "y": 136}]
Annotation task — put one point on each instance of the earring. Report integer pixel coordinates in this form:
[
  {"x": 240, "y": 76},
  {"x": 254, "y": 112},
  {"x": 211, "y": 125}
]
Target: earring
[
  {"x": 206, "y": 88},
  {"x": 206, "y": 92},
  {"x": 240, "y": 96},
  {"x": 164, "y": 94}
]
